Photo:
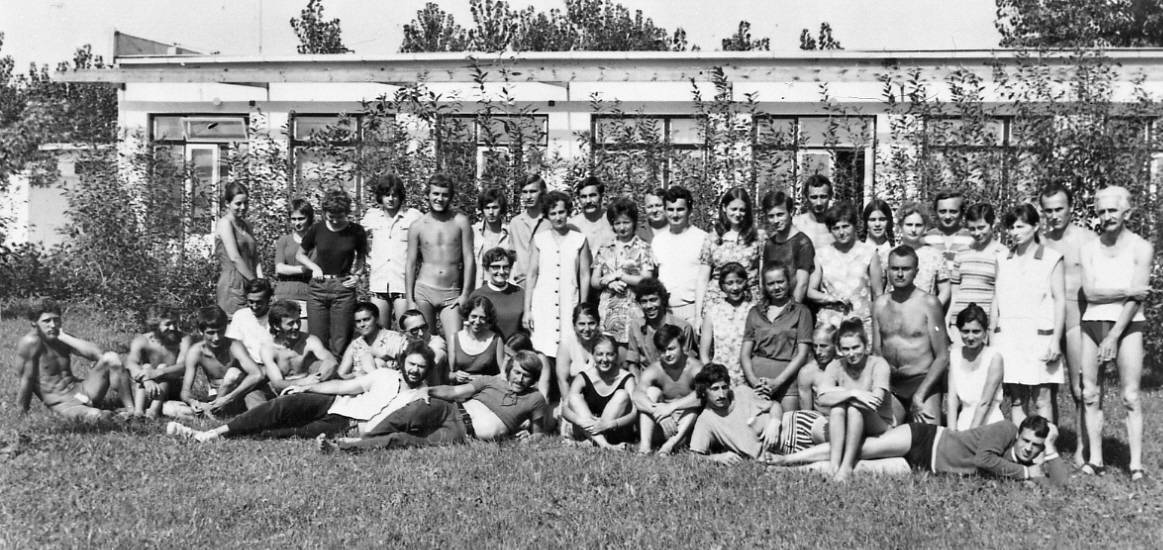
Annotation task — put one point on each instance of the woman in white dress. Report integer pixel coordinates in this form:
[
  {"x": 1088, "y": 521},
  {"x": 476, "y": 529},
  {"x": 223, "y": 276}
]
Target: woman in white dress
[
  {"x": 1029, "y": 311},
  {"x": 975, "y": 373},
  {"x": 558, "y": 278}
]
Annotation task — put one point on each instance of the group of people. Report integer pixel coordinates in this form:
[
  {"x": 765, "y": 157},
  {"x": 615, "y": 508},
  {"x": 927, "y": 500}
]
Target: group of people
[{"x": 812, "y": 337}]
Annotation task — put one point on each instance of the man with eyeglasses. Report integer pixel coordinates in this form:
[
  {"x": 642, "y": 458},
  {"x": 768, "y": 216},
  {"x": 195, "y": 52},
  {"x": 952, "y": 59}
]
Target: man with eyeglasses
[
  {"x": 250, "y": 325},
  {"x": 416, "y": 329},
  {"x": 507, "y": 298}
]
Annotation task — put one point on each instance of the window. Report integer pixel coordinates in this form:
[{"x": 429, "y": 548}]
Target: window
[
  {"x": 789, "y": 149},
  {"x": 202, "y": 144},
  {"x": 329, "y": 149},
  {"x": 489, "y": 149},
  {"x": 645, "y": 151}
]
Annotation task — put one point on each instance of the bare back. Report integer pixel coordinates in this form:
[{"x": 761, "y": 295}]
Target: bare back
[
  {"x": 905, "y": 329},
  {"x": 440, "y": 250}
]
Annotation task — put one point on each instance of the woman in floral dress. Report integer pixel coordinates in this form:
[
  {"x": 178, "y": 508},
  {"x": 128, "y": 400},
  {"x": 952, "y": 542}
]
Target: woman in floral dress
[
  {"x": 849, "y": 278},
  {"x": 735, "y": 239},
  {"x": 619, "y": 265}
]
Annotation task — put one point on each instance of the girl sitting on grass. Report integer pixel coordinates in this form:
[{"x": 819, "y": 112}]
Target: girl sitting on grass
[
  {"x": 599, "y": 403},
  {"x": 856, "y": 387}
]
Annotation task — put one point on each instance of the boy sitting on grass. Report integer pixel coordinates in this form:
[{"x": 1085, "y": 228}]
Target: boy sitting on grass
[
  {"x": 45, "y": 355},
  {"x": 233, "y": 377},
  {"x": 156, "y": 361},
  {"x": 294, "y": 358},
  {"x": 665, "y": 395}
]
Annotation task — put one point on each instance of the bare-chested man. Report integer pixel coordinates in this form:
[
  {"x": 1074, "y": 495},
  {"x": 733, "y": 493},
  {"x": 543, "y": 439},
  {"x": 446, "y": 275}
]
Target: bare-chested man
[
  {"x": 156, "y": 361},
  {"x": 908, "y": 330},
  {"x": 294, "y": 358},
  {"x": 232, "y": 375},
  {"x": 1066, "y": 238},
  {"x": 440, "y": 269},
  {"x": 1116, "y": 269},
  {"x": 666, "y": 396},
  {"x": 45, "y": 355}
]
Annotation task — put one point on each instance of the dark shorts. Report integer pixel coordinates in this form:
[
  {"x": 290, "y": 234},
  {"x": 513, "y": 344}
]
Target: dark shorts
[
  {"x": 905, "y": 387},
  {"x": 1097, "y": 331},
  {"x": 389, "y": 296},
  {"x": 920, "y": 455}
]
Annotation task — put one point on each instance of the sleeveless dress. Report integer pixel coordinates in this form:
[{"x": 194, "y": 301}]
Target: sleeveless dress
[
  {"x": 597, "y": 402},
  {"x": 846, "y": 276},
  {"x": 556, "y": 293},
  {"x": 231, "y": 295},
  {"x": 970, "y": 383},
  {"x": 727, "y": 324},
  {"x": 484, "y": 363},
  {"x": 1025, "y": 318}
]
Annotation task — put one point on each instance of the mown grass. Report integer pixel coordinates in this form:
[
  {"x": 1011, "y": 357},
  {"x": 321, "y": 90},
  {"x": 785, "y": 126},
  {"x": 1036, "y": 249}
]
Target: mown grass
[{"x": 71, "y": 485}]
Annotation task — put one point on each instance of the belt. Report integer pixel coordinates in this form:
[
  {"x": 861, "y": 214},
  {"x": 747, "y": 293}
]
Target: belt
[
  {"x": 466, "y": 420},
  {"x": 298, "y": 278},
  {"x": 329, "y": 277}
]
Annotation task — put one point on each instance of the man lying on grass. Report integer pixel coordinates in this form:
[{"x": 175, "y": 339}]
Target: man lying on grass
[
  {"x": 156, "y": 361},
  {"x": 234, "y": 378},
  {"x": 45, "y": 355},
  {"x": 999, "y": 449},
  {"x": 487, "y": 408},
  {"x": 330, "y": 407},
  {"x": 293, "y": 357}
]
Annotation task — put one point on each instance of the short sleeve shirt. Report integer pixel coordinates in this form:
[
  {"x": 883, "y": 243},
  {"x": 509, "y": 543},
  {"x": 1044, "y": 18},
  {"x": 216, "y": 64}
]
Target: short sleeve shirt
[
  {"x": 641, "y": 337},
  {"x": 336, "y": 250},
  {"x": 735, "y": 431},
  {"x": 384, "y": 392},
  {"x": 797, "y": 251},
  {"x": 509, "y": 305},
  {"x": 777, "y": 338},
  {"x": 252, "y": 332},
  {"x": 512, "y": 408},
  {"x": 388, "y": 242},
  {"x": 678, "y": 262},
  {"x": 289, "y": 287},
  {"x": 876, "y": 376}
]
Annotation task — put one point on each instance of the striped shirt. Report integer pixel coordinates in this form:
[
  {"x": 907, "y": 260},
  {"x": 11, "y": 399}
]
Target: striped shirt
[{"x": 974, "y": 276}]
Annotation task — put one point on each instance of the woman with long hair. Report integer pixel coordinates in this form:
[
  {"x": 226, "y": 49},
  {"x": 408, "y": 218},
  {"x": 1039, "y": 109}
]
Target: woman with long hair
[
  {"x": 735, "y": 239},
  {"x": 878, "y": 229},
  {"x": 237, "y": 249}
]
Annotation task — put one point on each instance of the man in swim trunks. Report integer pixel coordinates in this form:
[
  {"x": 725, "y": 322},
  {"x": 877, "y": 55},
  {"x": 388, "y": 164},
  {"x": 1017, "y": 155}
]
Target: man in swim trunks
[
  {"x": 908, "y": 330},
  {"x": 293, "y": 357},
  {"x": 665, "y": 396},
  {"x": 1062, "y": 235},
  {"x": 440, "y": 269},
  {"x": 487, "y": 408},
  {"x": 233, "y": 377},
  {"x": 156, "y": 361},
  {"x": 999, "y": 449},
  {"x": 45, "y": 355},
  {"x": 1116, "y": 270}
]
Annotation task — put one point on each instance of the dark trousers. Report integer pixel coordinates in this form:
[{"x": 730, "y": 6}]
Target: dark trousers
[
  {"x": 297, "y": 415},
  {"x": 417, "y": 424},
  {"x": 330, "y": 306}
]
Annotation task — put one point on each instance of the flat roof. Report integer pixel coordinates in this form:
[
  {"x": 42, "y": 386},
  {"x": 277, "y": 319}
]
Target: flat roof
[{"x": 560, "y": 67}]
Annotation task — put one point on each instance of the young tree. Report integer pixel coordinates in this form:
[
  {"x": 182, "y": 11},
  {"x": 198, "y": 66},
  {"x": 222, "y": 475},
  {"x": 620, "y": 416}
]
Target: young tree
[
  {"x": 316, "y": 34},
  {"x": 434, "y": 30},
  {"x": 1070, "y": 23},
  {"x": 741, "y": 41},
  {"x": 823, "y": 41}
]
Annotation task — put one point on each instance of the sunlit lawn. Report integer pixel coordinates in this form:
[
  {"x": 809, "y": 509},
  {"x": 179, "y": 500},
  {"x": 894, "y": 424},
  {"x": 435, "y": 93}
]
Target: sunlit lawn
[{"x": 68, "y": 485}]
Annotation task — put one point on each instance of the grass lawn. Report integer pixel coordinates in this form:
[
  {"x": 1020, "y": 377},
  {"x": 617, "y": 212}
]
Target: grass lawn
[{"x": 131, "y": 486}]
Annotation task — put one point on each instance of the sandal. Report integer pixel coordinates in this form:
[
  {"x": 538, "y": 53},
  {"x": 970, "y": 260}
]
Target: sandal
[
  {"x": 1137, "y": 474},
  {"x": 1091, "y": 469}
]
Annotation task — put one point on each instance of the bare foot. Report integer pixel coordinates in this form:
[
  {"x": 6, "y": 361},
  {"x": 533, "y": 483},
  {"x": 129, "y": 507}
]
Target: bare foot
[{"x": 843, "y": 475}]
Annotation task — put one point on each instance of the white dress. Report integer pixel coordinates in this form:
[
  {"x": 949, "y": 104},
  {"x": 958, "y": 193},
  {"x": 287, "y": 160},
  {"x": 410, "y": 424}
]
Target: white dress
[
  {"x": 556, "y": 292},
  {"x": 969, "y": 382},
  {"x": 1025, "y": 318}
]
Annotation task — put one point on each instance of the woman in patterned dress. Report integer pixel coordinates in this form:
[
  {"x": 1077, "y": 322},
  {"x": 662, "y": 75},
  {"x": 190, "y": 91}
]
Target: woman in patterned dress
[
  {"x": 721, "y": 337},
  {"x": 849, "y": 278},
  {"x": 619, "y": 265},
  {"x": 735, "y": 239},
  {"x": 932, "y": 271},
  {"x": 558, "y": 278}
]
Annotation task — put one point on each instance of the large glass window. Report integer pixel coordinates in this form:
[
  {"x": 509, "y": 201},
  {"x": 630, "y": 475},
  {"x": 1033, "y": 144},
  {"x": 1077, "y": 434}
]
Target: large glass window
[
  {"x": 786, "y": 150},
  {"x": 490, "y": 150},
  {"x": 202, "y": 144},
  {"x": 644, "y": 151}
]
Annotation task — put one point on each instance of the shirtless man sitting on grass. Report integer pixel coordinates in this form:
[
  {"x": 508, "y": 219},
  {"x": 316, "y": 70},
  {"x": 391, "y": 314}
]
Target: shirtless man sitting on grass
[
  {"x": 908, "y": 330},
  {"x": 156, "y": 361},
  {"x": 45, "y": 355},
  {"x": 232, "y": 375},
  {"x": 665, "y": 396},
  {"x": 441, "y": 267},
  {"x": 294, "y": 358}
]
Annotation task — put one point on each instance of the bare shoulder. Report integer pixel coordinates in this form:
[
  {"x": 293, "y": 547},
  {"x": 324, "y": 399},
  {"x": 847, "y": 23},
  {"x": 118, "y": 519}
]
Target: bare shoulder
[
  {"x": 928, "y": 300},
  {"x": 29, "y": 344},
  {"x": 1141, "y": 246},
  {"x": 462, "y": 221}
]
